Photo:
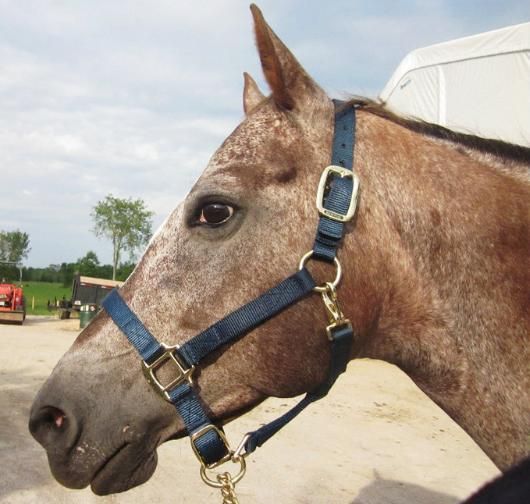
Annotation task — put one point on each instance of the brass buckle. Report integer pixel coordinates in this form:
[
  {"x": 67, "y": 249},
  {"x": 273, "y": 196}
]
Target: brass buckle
[
  {"x": 183, "y": 372},
  {"x": 342, "y": 172},
  {"x": 201, "y": 432}
]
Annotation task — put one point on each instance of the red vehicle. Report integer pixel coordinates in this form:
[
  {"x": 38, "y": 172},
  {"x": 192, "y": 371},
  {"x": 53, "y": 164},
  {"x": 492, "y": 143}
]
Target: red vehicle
[{"x": 12, "y": 304}]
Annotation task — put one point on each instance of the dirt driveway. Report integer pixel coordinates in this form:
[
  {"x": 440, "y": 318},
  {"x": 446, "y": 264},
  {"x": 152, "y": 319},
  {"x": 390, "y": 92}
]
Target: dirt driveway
[{"x": 376, "y": 439}]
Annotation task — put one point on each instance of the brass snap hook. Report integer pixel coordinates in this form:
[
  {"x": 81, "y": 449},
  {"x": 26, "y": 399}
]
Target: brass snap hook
[
  {"x": 335, "y": 315},
  {"x": 331, "y": 303}
]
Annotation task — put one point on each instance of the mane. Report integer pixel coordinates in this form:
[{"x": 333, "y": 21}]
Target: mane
[{"x": 498, "y": 148}]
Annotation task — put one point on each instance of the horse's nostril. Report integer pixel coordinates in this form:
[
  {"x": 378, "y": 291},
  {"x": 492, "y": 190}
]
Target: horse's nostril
[
  {"x": 54, "y": 416},
  {"x": 50, "y": 425},
  {"x": 47, "y": 418}
]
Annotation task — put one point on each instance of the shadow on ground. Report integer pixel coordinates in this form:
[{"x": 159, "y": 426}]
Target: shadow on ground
[
  {"x": 387, "y": 491},
  {"x": 23, "y": 460}
]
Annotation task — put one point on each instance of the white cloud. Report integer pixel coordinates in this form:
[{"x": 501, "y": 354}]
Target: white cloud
[{"x": 132, "y": 97}]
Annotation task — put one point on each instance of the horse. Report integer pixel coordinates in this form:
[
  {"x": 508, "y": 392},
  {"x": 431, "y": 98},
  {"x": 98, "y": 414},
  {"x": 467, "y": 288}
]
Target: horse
[
  {"x": 512, "y": 487},
  {"x": 435, "y": 281}
]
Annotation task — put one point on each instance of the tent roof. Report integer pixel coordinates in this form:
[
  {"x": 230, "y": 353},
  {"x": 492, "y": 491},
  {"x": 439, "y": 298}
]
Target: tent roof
[
  {"x": 512, "y": 39},
  {"x": 478, "y": 85}
]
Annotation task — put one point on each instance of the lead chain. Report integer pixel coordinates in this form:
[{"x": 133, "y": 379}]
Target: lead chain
[{"x": 228, "y": 490}]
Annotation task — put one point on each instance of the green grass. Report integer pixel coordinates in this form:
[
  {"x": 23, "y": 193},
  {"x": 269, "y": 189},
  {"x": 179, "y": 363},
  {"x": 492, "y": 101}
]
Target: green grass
[{"x": 42, "y": 292}]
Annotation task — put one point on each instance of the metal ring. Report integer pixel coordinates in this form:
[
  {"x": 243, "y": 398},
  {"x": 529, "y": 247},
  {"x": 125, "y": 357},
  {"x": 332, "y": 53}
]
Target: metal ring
[
  {"x": 235, "y": 479},
  {"x": 338, "y": 275}
]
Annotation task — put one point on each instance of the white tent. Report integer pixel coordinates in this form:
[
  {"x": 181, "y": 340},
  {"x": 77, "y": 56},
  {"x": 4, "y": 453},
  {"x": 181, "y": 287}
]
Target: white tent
[{"x": 478, "y": 84}]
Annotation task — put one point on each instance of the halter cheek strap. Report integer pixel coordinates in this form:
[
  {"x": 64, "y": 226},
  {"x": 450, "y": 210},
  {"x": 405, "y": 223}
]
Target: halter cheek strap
[
  {"x": 336, "y": 203},
  {"x": 338, "y": 206}
]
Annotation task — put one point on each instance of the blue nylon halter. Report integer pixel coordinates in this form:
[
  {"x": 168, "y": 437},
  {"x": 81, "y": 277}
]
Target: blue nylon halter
[{"x": 207, "y": 439}]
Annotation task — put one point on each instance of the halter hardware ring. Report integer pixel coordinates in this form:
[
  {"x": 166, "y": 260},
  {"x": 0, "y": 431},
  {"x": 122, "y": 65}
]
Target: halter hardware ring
[
  {"x": 235, "y": 479},
  {"x": 325, "y": 287}
]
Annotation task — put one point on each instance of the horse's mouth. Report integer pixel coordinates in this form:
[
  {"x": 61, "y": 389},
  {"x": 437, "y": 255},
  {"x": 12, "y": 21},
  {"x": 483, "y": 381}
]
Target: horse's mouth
[{"x": 126, "y": 468}]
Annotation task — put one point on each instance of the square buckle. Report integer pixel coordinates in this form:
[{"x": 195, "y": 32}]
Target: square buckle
[
  {"x": 201, "y": 432},
  {"x": 183, "y": 371},
  {"x": 342, "y": 172}
]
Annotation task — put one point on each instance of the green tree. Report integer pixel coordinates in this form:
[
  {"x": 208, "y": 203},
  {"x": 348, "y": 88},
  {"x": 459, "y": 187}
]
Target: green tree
[
  {"x": 14, "y": 246},
  {"x": 126, "y": 222},
  {"x": 125, "y": 270},
  {"x": 67, "y": 273},
  {"x": 89, "y": 264}
]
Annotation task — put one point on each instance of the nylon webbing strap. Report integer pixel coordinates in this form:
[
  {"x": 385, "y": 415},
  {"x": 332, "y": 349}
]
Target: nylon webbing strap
[
  {"x": 342, "y": 339},
  {"x": 249, "y": 316},
  {"x": 130, "y": 325},
  {"x": 329, "y": 232},
  {"x": 210, "y": 446}
]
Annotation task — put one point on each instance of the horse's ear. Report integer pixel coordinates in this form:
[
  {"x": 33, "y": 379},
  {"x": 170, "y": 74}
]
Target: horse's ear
[
  {"x": 290, "y": 84},
  {"x": 252, "y": 96}
]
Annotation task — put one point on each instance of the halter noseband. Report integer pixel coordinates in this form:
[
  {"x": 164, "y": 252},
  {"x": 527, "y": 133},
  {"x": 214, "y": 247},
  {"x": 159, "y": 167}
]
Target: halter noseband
[{"x": 336, "y": 203}]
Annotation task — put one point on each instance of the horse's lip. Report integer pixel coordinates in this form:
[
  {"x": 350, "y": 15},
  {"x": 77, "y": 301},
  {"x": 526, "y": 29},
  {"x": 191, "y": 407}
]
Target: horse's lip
[
  {"x": 107, "y": 461},
  {"x": 127, "y": 467}
]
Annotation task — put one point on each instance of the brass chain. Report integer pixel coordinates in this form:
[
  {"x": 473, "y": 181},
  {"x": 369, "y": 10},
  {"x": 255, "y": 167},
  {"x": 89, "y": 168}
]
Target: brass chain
[{"x": 228, "y": 490}]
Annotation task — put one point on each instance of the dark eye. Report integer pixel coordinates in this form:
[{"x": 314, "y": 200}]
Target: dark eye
[{"x": 215, "y": 213}]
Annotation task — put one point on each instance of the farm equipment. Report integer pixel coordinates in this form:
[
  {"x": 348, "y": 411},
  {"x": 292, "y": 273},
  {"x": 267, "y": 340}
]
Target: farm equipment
[
  {"x": 12, "y": 303},
  {"x": 86, "y": 292}
]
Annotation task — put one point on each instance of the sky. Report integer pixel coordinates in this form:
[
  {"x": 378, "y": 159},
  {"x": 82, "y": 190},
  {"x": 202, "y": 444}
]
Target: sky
[{"x": 133, "y": 97}]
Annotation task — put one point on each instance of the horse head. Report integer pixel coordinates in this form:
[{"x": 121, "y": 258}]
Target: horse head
[{"x": 242, "y": 228}]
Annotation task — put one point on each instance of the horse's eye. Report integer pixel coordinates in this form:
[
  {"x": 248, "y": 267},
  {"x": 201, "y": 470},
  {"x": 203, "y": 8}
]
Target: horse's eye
[{"x": 215, "y": 213}]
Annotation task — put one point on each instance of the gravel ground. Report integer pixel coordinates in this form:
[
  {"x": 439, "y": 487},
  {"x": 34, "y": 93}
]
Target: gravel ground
[{"x": 376, "y": 439}]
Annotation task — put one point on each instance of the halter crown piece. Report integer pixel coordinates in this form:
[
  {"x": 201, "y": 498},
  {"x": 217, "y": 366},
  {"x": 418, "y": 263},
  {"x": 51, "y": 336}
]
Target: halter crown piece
[{"x": 336, "y": 204}]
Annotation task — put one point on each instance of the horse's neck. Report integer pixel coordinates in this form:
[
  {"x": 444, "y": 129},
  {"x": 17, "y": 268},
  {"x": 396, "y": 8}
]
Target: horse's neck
[{"x": 440, "y": 249}]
